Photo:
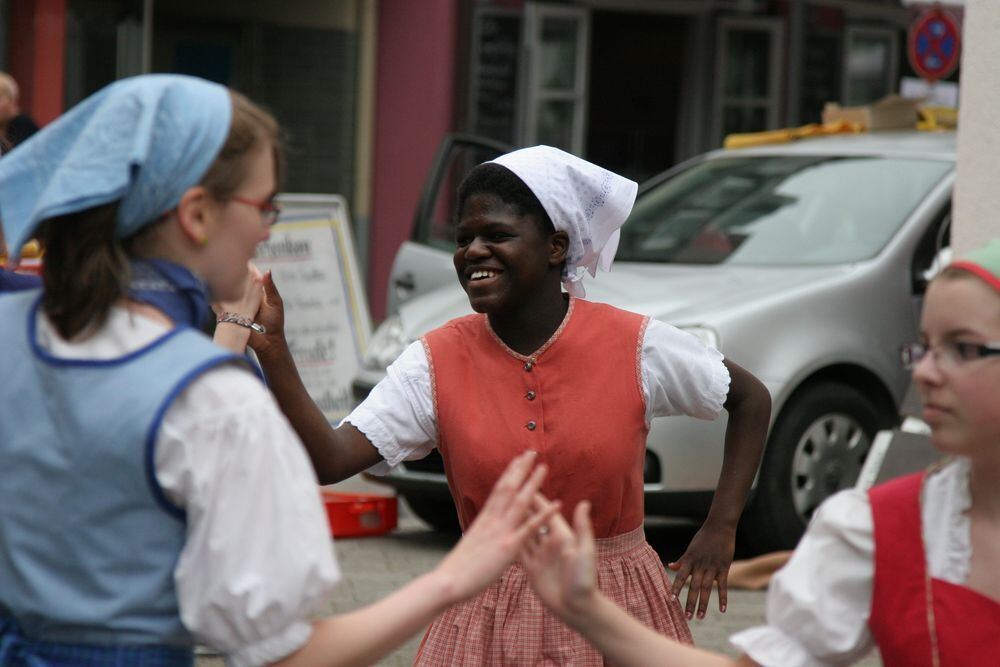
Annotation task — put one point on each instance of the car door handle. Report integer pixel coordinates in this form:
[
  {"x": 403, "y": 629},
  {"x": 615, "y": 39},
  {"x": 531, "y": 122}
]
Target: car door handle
[
  {"x": 405, "y": 284},
  {"x": 405, "y": 281}
]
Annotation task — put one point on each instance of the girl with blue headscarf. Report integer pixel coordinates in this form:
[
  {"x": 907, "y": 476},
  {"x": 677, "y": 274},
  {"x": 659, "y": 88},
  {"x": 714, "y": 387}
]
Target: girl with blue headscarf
[{"x": 153, "y": 495}]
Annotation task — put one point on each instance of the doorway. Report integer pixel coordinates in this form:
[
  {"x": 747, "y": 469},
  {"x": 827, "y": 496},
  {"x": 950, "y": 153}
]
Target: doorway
[{"x": 637, "y": 65}]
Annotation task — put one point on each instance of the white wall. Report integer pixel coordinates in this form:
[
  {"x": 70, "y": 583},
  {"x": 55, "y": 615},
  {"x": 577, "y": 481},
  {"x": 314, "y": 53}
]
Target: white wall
[{"x": 977, "y": 194}]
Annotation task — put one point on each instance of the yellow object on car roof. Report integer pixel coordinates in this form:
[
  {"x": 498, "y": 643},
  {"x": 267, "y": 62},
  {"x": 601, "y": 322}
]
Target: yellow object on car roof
[
  {"x": 789, "y": 134},
  {"x": 937, "y": 118}
]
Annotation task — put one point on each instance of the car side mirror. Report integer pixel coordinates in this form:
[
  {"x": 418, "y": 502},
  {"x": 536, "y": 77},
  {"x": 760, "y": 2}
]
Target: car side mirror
[{"x": 922, "y": 278}]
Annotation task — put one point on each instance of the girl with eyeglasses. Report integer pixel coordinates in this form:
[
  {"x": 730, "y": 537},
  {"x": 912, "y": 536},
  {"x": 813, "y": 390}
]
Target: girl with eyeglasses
[
  {"x": 909, "y": 566},
  {"x": 151, "y": 492}
]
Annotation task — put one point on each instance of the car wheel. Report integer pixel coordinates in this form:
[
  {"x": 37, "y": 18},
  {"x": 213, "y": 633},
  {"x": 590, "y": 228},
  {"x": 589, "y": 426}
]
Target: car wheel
[
  {"x": 816, "y": 448},
  {"x": 438, "y": 513}
]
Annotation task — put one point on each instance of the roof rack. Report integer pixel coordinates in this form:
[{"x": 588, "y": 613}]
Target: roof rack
[
  {"x": 850, "y": 120},
  {"x": 789, "y": 134}
]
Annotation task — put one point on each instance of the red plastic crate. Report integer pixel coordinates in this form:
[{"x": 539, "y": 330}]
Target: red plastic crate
[
  {"x": 31, "y": 266},
  {"x": 358, "y": 515}
]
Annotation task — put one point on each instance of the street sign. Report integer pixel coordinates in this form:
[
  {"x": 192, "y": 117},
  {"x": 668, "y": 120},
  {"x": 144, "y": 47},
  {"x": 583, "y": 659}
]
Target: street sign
[{"x": 933, "y": 44}]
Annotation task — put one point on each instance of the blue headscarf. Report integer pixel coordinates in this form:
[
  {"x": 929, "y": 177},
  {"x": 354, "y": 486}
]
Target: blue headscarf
[{"x": 144, "y": 140}]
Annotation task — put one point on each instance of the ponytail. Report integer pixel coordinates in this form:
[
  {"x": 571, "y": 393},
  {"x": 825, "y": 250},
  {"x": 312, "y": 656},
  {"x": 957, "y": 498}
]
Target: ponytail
[{"x": 85, "y": 270}]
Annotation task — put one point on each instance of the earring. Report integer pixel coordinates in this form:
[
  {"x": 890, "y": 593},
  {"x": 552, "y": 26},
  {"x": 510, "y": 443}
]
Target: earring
[{"x": 202, "y": 239}]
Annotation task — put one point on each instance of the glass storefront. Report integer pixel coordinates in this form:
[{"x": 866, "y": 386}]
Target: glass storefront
[{"x": 299, "y": 58}]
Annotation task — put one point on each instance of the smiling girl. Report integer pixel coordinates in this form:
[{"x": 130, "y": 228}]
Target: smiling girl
[{"x": 537, "y": 367}]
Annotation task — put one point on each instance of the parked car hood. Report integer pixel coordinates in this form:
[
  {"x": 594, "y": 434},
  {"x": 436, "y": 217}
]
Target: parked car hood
[{"x": 683, "y": 294}]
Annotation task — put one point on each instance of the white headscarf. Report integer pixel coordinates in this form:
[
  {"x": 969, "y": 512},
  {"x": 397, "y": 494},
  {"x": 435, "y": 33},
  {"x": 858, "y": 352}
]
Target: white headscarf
[{"x": 588, "y": 202}]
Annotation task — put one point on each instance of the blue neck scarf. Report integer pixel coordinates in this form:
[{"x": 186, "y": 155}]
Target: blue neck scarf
[{"x": 172, "y": 289}]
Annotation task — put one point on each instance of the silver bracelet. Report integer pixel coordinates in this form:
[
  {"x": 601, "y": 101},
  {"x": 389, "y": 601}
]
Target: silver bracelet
[{"x": 234, "y": 318}]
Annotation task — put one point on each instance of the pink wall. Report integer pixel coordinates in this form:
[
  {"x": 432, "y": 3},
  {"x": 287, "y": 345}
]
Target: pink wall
[
  {"x": 37, "y": 34},
  {"x": 414, "y": 109},
  {"x": 50, "y": 59}
]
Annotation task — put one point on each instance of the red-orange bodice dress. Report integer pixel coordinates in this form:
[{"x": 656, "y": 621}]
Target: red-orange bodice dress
[{"x": 579, "y": 402}]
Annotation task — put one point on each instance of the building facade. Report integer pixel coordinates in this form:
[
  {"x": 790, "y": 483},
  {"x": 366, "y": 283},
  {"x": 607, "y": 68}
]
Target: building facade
[{"x": 368, "y": 88}]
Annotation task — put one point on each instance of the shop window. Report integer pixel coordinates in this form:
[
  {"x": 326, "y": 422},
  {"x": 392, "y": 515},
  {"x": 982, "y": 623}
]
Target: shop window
[
  {"x": 821, "y": 73},
  {"x": 747, "y": 76},
  {"x": 494, "y": 74},
  {"x": 556, "y": 42},
  {"x": 871, "y": 64},
  {"x": 304, "y": 71},
  {"x": 103, "y": 43}
]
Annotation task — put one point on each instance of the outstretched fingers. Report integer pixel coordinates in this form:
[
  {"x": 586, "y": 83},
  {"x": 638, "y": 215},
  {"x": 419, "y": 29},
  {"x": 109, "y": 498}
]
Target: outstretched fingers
[
  {"x": 500, "y": 531},
  {"x": 681, "y": 573},
  {"x": 723, "y": 581},
  {"x": 537, "y": 525},
  {"x": 700, "y": 581},
  {"x": 527, "y": 490},
  {"x": 583, "y": 526},
  {"x": 520, "y": 474},
  {"x": 508, "y": 509},
  {"x": 270, "y": 290},
  {"x": 698, "y": 594},
  {"x": 271, "y": 315}
]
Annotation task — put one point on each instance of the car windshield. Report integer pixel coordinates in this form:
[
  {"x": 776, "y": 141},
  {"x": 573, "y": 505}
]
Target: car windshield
[{"x": 777, "y": 210}]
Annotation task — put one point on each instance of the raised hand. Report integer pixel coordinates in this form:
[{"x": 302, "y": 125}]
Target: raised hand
[
  {"x": 500, "y": 531},
  {"x": 249, "y": 302},
  {"x": 232, "y": 336},
  {"x": 271, "y": 315},
  {"x": 560, "y": 562}
]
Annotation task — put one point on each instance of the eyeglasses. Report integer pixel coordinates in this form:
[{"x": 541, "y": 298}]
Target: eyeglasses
[
  {"x": 269, "y": 211},
  {"x": 948, "y": 356}
]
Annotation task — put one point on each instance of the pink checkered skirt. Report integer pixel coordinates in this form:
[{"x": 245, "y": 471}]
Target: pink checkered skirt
[{"x": 508, "y": 625}]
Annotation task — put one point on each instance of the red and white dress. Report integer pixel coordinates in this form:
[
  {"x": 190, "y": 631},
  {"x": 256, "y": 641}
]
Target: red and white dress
[
  {"x": 583, "y": 402},
  {"x": 886, "y": 569}
]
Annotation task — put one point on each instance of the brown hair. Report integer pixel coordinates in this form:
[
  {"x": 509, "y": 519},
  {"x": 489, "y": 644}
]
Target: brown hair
[
  {"x": 86, "y": 268},
  {"x": 250, "y": 125}
]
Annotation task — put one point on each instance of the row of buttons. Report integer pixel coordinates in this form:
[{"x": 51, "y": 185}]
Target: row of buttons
[{"x": 531, "y": 425}]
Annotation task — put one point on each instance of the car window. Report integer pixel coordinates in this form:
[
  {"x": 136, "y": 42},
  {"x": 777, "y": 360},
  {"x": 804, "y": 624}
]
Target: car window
[
  {"x": 437, "y": 228},
  {"x": 778, "y": 210}
]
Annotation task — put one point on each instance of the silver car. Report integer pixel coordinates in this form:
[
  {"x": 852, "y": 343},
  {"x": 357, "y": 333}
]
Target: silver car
[{"x": 802, "y": 262}]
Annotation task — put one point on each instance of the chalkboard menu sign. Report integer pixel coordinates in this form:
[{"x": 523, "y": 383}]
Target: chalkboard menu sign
[{"x": 493, "y": 90}]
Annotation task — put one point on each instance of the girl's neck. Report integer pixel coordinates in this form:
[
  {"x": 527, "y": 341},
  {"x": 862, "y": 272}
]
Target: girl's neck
[{"x": 526, "y": 329}]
